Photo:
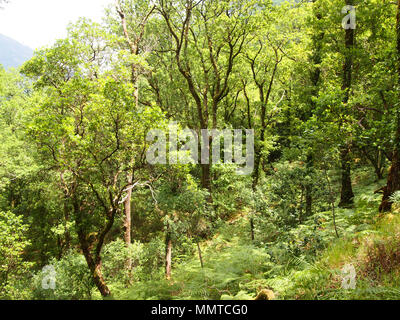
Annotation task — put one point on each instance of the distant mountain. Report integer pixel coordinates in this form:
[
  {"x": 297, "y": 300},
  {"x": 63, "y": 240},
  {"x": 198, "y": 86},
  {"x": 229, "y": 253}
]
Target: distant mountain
[{"x": 13, "y": 53}]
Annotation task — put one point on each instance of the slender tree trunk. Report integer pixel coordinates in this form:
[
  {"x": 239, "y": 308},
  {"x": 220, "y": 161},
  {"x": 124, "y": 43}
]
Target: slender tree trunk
[
  {"x": 380, "y": 165},
  {"x": 332, "y": 201},
  {"x": 200, "y": 255},
  {"x": 264, "y": 98},
  {"x": 309, "y": 200},
  {"x": 206, "y": 176},
  {"x": 334, "y": 217},
  {"x": 315, "y": 75},
  {"x": 128, "y": 220},
  {"x": 252, "y": 228},
  {"x": 301, "y": 205},
  {"x": 393, "y": 182},
  {"x": 257, "y": 162},
  {"x": 309, "y": 187},
  {"x": 168, "y": 255},
  {"x": 347, "y": 195},
  {"x": 67, "y": 233}
]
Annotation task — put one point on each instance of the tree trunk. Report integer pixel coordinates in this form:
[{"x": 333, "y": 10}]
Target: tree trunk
[
  {"x": 264, "y": 98},
  {"x": 99, "y": 280},
  {"x": 257, "y": 162},
  {"x": 206, "y": 176},
  {"x": 67, "y": 233},
  {"x": 95, "y": 269},
  {"x": 87, "y": 242},
  {"x": 168, "y": 255},
  {"x": 200, "y": 255},
  {"x": 332, "y": 201},
  {"x": 205, "y": 167},
  {"x": 309, "y": 200},
  {"x": 252, "y": 229},
  {"x": 347, "y": 195},
  {"x": 393, "y": 182},
  {"x": 67, "y": 244},
  {"x": 94, "y": 266},
  {"x": 315, "y": 76},
  {"x": 128, "y": 220},
  {"x": 309, "y": 187}
]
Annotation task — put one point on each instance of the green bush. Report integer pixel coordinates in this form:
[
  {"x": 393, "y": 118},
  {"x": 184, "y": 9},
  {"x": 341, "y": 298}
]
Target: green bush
[{"x": 73, "y": 280}]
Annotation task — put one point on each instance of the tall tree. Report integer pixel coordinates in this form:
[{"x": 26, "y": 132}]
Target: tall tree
[
  {"x": 347, "y": 195},
  {"x": 315, "y": 75},
  {"x": 393, "y": 181},
  {"x": 89, "y": 111},
  {"x": 207, "y": 38},
  {"x": 133, "y": 23}
]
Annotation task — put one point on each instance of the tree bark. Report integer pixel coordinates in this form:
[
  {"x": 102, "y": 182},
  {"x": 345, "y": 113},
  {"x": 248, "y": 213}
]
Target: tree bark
[
  {"x": 95, "y": 268},
  {"x": 91, "y": 245},
  {"x": 393, "y": 182},
  {"x": 94, "y": 265}
]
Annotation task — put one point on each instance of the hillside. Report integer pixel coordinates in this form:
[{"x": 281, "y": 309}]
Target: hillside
[
  {"x": 309, "y": 262},
  {"x": 204, "y": 150},
  {"x": 12, "y": 53}
]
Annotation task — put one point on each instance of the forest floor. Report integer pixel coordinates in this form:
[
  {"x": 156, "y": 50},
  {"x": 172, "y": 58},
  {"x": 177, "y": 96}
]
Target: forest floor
[{"x": 309, "y": 262}]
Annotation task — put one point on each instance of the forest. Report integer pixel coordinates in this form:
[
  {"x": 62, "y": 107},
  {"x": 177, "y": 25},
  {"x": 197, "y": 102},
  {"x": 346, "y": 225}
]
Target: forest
[{"x": 84, "y": 214}]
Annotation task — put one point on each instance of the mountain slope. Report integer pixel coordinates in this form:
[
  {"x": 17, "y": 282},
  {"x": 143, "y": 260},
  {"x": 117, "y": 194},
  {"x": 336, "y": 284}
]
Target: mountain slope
[{"x": 12, "y": 53}]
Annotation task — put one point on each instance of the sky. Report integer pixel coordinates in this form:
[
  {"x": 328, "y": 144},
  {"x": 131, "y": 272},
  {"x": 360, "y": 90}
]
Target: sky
[{"x": 37, "y": 23}]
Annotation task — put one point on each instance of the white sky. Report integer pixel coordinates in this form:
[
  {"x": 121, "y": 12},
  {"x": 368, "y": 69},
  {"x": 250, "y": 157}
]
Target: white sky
[{"x": 37, "y": 23}]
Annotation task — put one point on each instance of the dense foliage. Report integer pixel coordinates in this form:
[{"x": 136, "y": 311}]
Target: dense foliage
[{"x": 84, "y": 215}]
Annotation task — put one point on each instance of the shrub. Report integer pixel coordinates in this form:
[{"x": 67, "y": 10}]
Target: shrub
[
  {"x": 73, "y": 280},
  {"x": 115, "y": 257}
]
